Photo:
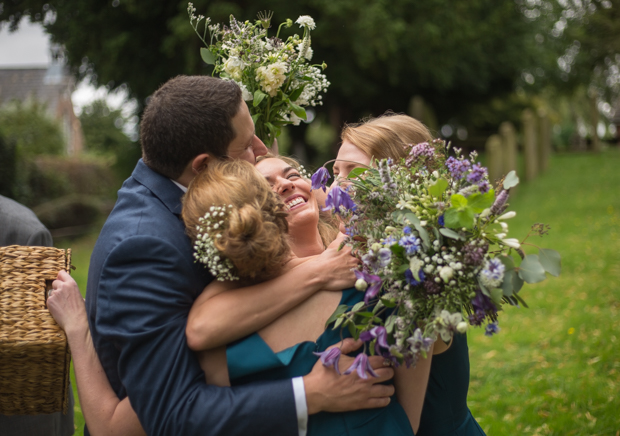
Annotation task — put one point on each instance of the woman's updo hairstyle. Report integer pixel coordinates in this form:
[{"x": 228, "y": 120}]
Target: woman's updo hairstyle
[
  {"x": 254, "y": 234},
  {"x": 386, "y": 136}
]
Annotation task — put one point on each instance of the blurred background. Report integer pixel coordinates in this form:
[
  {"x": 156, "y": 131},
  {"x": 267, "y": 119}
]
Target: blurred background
[{"x": 532, "y": 85}]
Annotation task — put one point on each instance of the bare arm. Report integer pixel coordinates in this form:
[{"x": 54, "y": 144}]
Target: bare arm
[
  {"x": 410, "y": 384},
  {"x": 104, "y": 413},
  {"x": 223, "y": 314}
]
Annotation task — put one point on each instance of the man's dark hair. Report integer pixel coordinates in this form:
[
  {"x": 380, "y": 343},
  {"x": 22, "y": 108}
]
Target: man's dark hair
[{"x": 188, "y": 116}]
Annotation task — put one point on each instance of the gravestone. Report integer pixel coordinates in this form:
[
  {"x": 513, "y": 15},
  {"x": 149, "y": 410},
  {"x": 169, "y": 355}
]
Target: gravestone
[
  {"x": 530, "y": 146},
  {"x": 495, "y": 160},
  {"x": 544, "y": 139}
]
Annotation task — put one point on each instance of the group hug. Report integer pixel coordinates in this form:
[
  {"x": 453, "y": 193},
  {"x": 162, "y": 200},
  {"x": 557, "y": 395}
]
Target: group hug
[{"x": 161, "y": 347}]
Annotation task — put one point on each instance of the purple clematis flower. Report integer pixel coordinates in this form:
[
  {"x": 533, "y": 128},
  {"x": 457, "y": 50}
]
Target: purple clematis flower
[
  {"x": 338, "y": 197},
  {"x": 374, "y": 284},
  {"x": 320, "y": 178},
  {"x": 378, "y": 332},
  {"x": 330, "y": 357},
  {"x": 362, "y": 366},
  {"x": 379, "y": 259}
]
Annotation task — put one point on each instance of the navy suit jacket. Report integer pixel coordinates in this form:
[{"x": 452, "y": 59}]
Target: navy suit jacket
[{"x": 141, "y": 285}]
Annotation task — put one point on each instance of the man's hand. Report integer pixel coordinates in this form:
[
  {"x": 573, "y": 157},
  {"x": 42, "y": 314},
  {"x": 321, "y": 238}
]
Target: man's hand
[
  {"x": 335, "y": 266},
  {"x": 326, "y": 391}
]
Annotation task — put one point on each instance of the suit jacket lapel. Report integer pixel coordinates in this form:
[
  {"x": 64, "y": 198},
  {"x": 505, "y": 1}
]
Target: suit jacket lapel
[{"x": 161, "y": 186}]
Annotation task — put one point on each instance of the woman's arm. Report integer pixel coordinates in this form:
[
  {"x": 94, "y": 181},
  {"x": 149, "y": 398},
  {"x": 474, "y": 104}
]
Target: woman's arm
[
  {"x": 223, "y": 314},
  {"x": 410, "y": 384},
  {"x": 104, "y": 413}
]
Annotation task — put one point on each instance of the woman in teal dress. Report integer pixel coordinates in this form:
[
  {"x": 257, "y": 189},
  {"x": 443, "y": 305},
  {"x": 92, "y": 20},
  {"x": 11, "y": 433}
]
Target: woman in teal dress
[
  {"x": 286, "y": 347},
  {"x": 445, "y": 410}
]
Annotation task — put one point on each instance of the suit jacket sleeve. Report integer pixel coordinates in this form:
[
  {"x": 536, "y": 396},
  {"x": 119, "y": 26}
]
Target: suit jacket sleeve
[{"x": 142, "y": 309}]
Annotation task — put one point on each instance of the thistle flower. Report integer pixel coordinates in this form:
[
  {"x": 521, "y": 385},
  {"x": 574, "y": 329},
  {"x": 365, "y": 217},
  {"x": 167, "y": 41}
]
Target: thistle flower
[
  {"x": 362, "y": 366},
  {"x": 330, "y": 357}
]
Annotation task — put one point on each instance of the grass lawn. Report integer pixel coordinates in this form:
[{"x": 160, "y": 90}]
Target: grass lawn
[{"x": 554, "y": 369}]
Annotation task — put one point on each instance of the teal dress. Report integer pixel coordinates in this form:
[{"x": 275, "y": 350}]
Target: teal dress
[
  {"x": 445, "y": 410},
  {"x": 251, "y": 360}
]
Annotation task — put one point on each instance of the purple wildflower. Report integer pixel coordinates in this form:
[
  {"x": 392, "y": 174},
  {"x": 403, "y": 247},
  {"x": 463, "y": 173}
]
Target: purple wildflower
[
  {"x": 337, "y": 198},
  {"x": 457, "y": 167},
  {"x": 411, "y": 244},
  {"x": 484, "y": 187},
  {"x": 477, "y": 318},
  {"x": 380, "y": 334},
  {"x": 407, "y": 230},
  {"x": 411, "y": 279},
  {"x": 424, "y": 149},
  {"x": 441, "y": 221},
  {"x": 374, "y": 284},
  {"x": 418, "y": 343},
  {"x": 320, "y": 178},
  {"x": 474, "y": 254},
  {"x": 494, "y": 269},
  {"x": 330, "y": 357},
  {"x": 483, "y": 305},
  {"x": 379, "y": 259},
  {"x": 362, "y": 366},
  {"x": 491, "y": 329},
  {"x": 500, "y": 202},
  {"x": 431, "y": 287},
  {"x": 477, "y": 174}
]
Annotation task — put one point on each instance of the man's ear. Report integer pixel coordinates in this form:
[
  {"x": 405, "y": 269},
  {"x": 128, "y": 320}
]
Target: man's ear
[{"x": 200, "y": 162}]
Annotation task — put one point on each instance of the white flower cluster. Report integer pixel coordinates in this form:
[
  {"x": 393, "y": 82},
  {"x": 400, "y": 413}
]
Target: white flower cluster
[
  {"x": 211, "y": 225},
  {"x": 271, "y": 77},
  {"x": 306, "y": 21}
]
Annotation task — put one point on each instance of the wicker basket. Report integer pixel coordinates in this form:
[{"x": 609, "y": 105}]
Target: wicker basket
[{"x": 34, "y": 353}]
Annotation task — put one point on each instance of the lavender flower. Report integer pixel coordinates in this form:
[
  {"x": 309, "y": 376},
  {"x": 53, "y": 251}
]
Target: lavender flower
[
  {"x": 337, "y": 198},
  {"x": 362, "y": 366},
  {"x": 330, "y": 357},
  {"x": 377, "y": 260},
  {"x": 412, "y": 280},
  {"x": 491, "y": 329},
  {"x": 380, "y": 334},
  {"x": 411, "y": 244},
  {"x": 320, "y": 178},
  {"x": 374, "y": 284},
  {"x": 477, "y": 174},
  {"x": 457, "y": 167},
  {"x": 500, "y": 202}
]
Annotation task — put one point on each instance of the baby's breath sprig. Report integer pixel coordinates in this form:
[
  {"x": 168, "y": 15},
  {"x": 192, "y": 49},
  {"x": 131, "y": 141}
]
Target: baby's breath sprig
[{"x": 211, "y": 226}]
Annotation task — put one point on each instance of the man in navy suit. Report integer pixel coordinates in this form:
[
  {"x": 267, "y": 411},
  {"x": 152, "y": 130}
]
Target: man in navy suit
[{"x": 143, "y": 280}]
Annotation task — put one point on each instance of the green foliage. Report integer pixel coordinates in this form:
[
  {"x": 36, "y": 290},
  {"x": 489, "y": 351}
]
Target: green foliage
[{"x": 31, "y": 129}]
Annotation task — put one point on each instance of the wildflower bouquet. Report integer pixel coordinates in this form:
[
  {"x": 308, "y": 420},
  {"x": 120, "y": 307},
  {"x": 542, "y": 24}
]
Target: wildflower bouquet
[
  {"x": 275, "y": 76},
  {"x": 432, "y": 236}
]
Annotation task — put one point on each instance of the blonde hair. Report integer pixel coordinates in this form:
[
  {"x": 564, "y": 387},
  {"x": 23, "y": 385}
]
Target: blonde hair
[
  {"x": 254, "y": 237},
  {"x": 328, "y": 226},
  {"x": 386, "y": 136}
]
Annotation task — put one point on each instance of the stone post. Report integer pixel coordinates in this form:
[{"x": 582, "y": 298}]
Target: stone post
[
  {"x": 495, "y": 160},
  {"x": 544, "y": 140},
  {"x": 594, "y": 117},
  {"x": 509, "y": 144},
  {"x": 530, "y": 149}
]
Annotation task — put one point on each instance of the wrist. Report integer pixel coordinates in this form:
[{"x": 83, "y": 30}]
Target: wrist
[{"x": 314, "y": 398}]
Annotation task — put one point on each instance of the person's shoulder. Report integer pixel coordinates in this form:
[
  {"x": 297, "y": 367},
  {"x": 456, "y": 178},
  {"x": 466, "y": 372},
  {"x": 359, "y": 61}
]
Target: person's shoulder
[{"x": 20, "y": 225}]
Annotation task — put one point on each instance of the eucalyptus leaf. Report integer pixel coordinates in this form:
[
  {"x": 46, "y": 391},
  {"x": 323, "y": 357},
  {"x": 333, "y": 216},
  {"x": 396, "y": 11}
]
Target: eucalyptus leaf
[
  {"x": 398, "y": 215},
  {"x": 507, "y": 286},
  {"x": 531, "y": 270},
  {"x": 517, "y": 282},
  {"x": 258, "y": 97},
  {"x": 496, "y": 296},
  {"x": 438, "y": 188},
  {"x": 511, "y": 180},
  {"x": 339, "y": 311},
  {"x": 451, "y": 234},
  {"x": 412, "y": 218},
  {"x": 551, "y": 261},
  {"x": 358, "y": 306},
  {"x": 508, "y": 261},
  {"x": 207, "y": 56},
  {"x": 426, "y": 241}
]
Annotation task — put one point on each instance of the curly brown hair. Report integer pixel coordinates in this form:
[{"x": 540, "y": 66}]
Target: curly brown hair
[{"x": 255, "y": 235}]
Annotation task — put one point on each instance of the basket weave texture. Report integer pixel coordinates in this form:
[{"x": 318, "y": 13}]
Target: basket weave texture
[{"x": 34, "y": 353}]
